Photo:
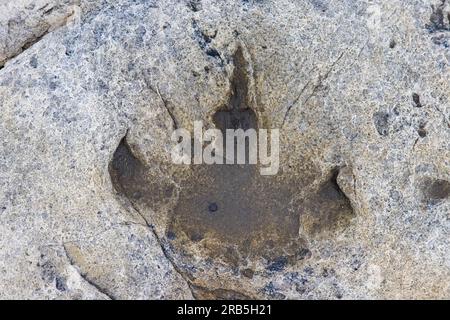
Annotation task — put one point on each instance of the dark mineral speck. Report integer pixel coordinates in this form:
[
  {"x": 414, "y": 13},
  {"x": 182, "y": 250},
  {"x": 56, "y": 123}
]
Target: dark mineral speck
[
  {"x": 60, "y": 284},
  {"x": 416, "y": 100},
  {"x": 34, "y": 62},
  {"x": 278, "y": 264},
  {"x": 171, "y": 235},
  {"x": 212, "y": 207}
]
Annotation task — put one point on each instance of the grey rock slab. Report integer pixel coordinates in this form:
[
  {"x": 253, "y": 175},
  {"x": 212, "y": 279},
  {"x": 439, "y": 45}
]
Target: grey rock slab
[{"x": 91, "y": 205}]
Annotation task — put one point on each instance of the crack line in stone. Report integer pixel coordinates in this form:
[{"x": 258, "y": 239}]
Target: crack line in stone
[
  {"x": 163, "y": 249},
  {"x": 155, "y": 234},
  {"x": 321, "y": 80},
  {"x": 85, "y": 277}
]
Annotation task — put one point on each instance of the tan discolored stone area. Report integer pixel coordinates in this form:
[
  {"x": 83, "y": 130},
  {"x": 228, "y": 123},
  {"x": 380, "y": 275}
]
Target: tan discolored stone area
[{"x": 230, "y": 213}]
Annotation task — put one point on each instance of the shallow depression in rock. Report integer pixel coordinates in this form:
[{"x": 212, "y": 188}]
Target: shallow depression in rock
[{"x": 231, "y": 211}]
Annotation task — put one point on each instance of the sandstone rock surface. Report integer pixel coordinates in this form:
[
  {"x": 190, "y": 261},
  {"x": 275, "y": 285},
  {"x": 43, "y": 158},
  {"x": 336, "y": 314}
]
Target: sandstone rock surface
[{"x": 92, "y": 207}]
